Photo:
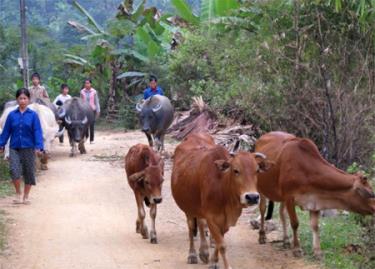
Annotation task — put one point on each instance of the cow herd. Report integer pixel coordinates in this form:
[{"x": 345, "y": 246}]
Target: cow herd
[{"x": 212, "y": 186}]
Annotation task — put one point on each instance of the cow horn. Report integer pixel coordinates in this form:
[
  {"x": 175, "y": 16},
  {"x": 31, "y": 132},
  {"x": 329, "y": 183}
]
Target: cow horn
[
  {"x": 68, "y": 120},
  {"x": 260, "y": 155},
  {"x": 138, "y": 107},
  {"x": 85, "y": 120},
  {"x": 156, "y": 108}
]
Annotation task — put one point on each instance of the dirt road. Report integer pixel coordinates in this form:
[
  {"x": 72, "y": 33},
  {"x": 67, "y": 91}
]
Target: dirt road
[{"x": 83, "y": 216}]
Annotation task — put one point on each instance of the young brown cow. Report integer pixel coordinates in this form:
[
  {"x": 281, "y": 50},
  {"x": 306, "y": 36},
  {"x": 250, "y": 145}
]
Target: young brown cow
[
  {"x": 209, "y": 184},
  {"x": 145, "y": 170},
  {"x": 300, "y": 176}
]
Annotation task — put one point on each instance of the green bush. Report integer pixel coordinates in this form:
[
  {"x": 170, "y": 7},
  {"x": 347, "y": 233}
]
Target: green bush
[
  {"x": 287, "y": 72},
  {"x": 5, "y": 184}
]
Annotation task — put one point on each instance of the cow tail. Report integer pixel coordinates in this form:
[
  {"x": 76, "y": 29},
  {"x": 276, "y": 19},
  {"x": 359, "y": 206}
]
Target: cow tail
[
  {"x": 270, "y": 210},
  {"x": 195, "y": 229}
]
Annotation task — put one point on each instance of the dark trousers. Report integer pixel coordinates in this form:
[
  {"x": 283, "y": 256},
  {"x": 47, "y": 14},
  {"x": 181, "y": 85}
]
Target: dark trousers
[
  {"x": 61, "y": 138},
  {"x": 92, "y": 130}
]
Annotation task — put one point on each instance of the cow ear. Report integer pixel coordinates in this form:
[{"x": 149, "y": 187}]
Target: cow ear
[
  {"x": 222, "y": 165},
  {"x": 263, "y": 164},
  {"x": 136, "y": 177}
]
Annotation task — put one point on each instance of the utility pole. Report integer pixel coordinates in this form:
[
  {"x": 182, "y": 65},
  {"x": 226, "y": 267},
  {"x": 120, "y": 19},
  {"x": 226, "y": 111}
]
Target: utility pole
[{"x": 24, "y": 54}]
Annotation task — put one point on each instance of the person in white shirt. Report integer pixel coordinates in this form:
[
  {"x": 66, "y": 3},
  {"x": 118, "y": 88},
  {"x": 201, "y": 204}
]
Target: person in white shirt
[
  {"x": 64, "y": 96},
  {"x": 59, "y": 101}
]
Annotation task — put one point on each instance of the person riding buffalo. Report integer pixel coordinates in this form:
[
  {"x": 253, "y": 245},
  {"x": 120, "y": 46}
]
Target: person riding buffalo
[
  {"x": 153, "y": 89},
  {"x": 37, "y": 90}
]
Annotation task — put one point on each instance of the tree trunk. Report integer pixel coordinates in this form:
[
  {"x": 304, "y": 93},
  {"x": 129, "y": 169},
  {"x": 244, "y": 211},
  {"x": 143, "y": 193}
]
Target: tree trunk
[
  {"x": 25, "y": 60},
  {"x": 327, "y": 86}
]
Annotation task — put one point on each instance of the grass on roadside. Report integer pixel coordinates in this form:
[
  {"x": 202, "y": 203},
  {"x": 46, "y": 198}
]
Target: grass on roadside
[
  {"x": 5, "y": 184},
  {"x": 341, "y": 240},
  {"x": 3, "y": 231},
  {"x": 5, "y": 190}
]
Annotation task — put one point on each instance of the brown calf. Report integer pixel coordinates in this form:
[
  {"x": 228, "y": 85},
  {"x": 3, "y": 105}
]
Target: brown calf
[{"x": 145, "y": 170}]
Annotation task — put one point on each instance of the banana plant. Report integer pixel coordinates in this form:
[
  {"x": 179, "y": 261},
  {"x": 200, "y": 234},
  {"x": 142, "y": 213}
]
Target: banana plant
[
  {"x": 135, "y": 34},
  {"x": 210, "y": 9}
]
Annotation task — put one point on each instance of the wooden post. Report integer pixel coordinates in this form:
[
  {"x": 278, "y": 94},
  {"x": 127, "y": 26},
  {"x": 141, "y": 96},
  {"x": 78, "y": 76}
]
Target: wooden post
[{"x": 24, "y": 54}]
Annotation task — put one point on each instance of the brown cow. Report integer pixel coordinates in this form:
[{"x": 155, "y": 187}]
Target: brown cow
[
  {"x": 212, "y": 186},
  {"x": 300, "y": 176},
  {"x": 145, "y": 170}
]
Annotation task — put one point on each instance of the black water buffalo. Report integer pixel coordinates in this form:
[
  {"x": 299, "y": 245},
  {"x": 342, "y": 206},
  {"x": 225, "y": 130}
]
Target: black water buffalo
[
  {"x": 156, "y": 115},
  {"x": 77, "y": 117}
]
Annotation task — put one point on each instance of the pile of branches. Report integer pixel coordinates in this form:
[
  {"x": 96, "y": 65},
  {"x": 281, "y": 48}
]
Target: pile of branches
[{"x": 200, "y": 118}]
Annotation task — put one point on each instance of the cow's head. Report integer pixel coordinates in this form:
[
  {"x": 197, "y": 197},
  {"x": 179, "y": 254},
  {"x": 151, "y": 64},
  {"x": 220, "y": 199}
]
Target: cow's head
[
  {"x": 363, "y": 197},
  {"x": 148, "y": 117},
  {"x": 242, "y": 170},
  {"x": 151, "y": 179},
  {"x": 76, "y": 128}
]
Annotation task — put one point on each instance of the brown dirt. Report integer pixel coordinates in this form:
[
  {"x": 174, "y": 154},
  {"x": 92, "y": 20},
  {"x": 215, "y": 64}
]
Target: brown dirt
[{"x": 83, "y": 216}]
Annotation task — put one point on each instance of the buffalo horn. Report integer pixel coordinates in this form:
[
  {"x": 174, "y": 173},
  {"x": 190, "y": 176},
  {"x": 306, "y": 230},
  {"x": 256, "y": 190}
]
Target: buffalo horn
[
  {"x": 156, "y": 108},
  {"x": 85, "y": 120},
  {"x": 68, "y": 120},
  {"x": 138, "y": 107},
  {"x": 62, "y": 113}
]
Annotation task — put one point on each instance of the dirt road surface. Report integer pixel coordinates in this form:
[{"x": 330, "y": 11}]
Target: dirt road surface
[{"x": 83, "y": 216}]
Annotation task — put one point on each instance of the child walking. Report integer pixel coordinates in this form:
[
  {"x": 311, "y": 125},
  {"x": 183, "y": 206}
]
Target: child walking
[{"x": 90, "y": 96}]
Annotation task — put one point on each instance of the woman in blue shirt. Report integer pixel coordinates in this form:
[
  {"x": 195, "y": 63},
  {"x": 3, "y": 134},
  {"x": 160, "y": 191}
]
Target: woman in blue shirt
[{"x": 23, "y": 128}]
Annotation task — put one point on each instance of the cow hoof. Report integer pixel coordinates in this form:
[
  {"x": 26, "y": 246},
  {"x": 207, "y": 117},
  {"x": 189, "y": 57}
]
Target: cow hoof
[
  {"x": 204, "y": 256},
  {"x": 192, "y": 259},
  {"x": 145, "y": 233},
  {"x": 153, "y": 237},
  {"x": 262, "y": 239},
  {"x": 71, "y": 155},
  {"x": 318, "y": 255},
  {"x": 137, "y": 227},
  {"x": 298, "y": 253},
  {"x": 214, "y": 266}
]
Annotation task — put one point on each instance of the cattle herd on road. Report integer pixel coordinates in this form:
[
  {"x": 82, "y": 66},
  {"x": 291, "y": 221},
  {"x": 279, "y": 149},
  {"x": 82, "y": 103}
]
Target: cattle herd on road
[{"x": 212, "y": 185}]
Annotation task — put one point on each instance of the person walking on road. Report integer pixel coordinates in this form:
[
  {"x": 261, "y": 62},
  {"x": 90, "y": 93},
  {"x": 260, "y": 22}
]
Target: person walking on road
[
  {"x": 90, "y": 96},
  {"x": 59, "y": 101},
  {"x": 23, "y": 128}
]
